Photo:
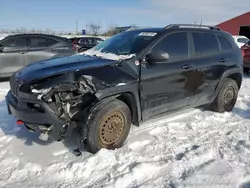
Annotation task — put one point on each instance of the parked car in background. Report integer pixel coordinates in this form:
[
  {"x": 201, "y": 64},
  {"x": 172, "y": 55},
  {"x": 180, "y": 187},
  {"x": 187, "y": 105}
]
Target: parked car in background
[
  {"x": 240, "y": 40},
  {"x": 20, "y": 50},
  {"x": 246, "y": 56},
  {"x": 74, "y": 40},
  {"x": 127, "y": 79},
  {"x": 86, "y": 43}
]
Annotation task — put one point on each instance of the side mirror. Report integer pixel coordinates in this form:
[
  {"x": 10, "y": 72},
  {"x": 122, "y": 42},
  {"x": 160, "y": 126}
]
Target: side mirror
[{"x": 157, "y": 57}]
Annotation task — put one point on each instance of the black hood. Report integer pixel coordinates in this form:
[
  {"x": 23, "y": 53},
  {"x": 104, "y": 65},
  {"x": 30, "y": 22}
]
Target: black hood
[{"x": 54, "y": 66}]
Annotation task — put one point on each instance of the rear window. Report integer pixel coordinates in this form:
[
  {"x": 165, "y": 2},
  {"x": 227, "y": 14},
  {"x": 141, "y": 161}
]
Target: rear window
[
  {"x": 41, "y": 42},
  {"x": 225, "y": 44},
  {"x": 242, "y": 40},
  {"x": 94, "y": 41},
  {"x": 205, "y": 44}
]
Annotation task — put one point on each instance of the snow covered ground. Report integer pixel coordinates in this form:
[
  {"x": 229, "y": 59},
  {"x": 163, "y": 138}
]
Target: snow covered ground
[{"x": 194, "y": 148}]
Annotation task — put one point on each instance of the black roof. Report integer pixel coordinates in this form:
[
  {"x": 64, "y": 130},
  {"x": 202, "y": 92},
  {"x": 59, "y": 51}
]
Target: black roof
[{"x": 186, "y": 27}]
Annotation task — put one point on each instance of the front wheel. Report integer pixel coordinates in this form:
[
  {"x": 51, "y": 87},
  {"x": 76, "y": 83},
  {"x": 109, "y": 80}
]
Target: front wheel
[
  {"x": 227, "y": 97},
  {"x": 109, "y": 127}
]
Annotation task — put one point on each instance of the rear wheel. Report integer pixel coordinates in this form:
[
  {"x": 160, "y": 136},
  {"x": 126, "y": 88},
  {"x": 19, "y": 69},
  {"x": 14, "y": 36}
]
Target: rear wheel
[
  {"x": 109, "y": 127},
  {"x": 227, "y": 96}
]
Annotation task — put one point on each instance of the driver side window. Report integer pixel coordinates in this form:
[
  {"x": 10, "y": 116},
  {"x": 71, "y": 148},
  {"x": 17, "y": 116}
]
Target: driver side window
[{"x": 176, "y": 45}]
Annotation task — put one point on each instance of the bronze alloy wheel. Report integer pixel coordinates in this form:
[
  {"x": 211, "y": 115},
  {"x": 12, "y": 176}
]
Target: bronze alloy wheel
[{"x": 111, "y": 128}]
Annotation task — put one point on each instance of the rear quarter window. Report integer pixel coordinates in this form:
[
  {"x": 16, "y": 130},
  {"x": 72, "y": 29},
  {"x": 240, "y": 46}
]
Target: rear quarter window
[
  {"x": 205, "y": 44},
  {"x": 225, "y": 43}
]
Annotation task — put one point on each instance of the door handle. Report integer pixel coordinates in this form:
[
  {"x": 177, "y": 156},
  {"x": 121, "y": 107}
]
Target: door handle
[
  {"x": 22, "y": 52},
  {"x": 186, "y": 66},
  {"x": 222, "y": 60}
]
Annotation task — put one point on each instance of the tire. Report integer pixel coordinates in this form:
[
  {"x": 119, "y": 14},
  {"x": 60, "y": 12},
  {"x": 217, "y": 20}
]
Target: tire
[
  {"x": 109, "y": 127},
  {"x": 227, "y": 97}
]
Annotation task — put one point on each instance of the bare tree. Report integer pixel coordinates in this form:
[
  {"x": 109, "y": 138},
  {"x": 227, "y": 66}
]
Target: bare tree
[
  {"x": 94, "y": 28},
  {"x": 33, "y": 30},
  {"x": 49, "y": 31},
  {"x": 23, "y": 30}
]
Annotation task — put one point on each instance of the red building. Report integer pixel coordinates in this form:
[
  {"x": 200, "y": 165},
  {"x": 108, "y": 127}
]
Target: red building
[{"x": 239, "y": 25}]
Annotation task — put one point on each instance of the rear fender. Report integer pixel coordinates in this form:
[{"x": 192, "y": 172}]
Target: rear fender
[{"x": 226, "y": 74}]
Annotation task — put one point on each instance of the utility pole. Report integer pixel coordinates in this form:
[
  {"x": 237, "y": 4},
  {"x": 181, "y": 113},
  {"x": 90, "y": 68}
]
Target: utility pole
[
  {"x": 201, "y": 23},
  {"x": 76, "y": 26}
]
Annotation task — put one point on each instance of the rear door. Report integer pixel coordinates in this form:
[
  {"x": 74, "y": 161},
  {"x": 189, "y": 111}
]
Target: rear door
[
  {"x": 40, "y": 48},
  {"x": 209, "y": 65},
  {"x": 63, "y": 48},
  {"x": 14, "y": 54}
]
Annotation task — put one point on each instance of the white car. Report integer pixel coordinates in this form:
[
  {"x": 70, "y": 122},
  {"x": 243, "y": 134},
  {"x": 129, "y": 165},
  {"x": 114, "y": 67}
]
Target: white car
[{"x": 240, "y": 40}]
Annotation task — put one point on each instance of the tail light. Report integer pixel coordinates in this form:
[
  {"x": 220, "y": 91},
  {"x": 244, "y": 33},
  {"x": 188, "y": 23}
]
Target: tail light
[
  {"x": 19, "y": 122},
  {"x": 243, "y": 53},
  {"x": 74, "y": 47}
]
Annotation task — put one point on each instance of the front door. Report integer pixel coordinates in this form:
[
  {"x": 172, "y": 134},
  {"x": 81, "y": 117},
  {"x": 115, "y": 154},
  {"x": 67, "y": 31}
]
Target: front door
[
  {"x": 165, "y": 86},
  {"x": 14, "y": 55}
]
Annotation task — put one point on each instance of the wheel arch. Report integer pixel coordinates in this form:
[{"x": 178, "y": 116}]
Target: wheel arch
[
  {"x": 129, "y": 97},
  {"x": 235, "y": 74}
]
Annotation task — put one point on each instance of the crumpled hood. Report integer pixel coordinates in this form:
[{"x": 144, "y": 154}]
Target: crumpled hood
[{"x": 59, "y": 65}]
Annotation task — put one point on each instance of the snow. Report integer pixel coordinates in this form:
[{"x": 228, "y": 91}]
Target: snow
[
  {"x": 192, "y": 148},
  {"x": 98, "y": 53}
]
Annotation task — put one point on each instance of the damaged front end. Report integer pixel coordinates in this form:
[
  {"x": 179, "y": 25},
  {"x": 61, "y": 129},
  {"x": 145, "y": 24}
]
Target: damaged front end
[{"x": 62, "y": 96}]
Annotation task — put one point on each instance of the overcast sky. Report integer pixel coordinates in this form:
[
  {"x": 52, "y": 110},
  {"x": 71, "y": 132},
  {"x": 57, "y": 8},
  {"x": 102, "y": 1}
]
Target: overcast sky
[{"x": 62, "y": 14}]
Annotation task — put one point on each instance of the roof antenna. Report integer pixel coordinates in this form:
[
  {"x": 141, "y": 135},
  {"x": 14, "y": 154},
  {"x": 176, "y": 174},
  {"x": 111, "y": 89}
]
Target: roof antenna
[{"x": 200, "y": 23}]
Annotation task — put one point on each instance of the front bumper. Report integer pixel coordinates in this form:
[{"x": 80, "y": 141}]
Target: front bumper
[{"x": 21, "y": 109}]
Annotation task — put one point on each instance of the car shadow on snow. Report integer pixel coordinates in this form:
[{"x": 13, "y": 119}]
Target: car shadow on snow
[
  {"x": 9, "y": 127},
  {"x": 243, "y": 113}
]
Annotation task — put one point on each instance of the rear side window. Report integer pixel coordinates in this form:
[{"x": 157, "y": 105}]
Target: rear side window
[
  {"x": 15, "y": 43},
  {"x": 205, "y": 44},
  {"x": 225, "y": 44},
  {"x": 176, "y": 45},
  {"x": 41, "y": 42}
]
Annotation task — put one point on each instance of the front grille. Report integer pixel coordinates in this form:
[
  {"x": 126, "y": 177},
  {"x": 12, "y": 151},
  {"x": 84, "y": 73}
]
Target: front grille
[{"x": 14, "y": 85}]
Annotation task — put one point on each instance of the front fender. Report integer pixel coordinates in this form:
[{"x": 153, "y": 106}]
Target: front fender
[{"x": 120, "y": 89}]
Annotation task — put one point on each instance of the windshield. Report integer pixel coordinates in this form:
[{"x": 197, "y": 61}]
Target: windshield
[{"x": 126, "y": 43}]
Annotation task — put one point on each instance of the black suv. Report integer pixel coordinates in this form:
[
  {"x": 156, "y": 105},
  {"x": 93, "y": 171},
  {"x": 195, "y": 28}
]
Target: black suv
[
  {"x": 17, "y": 51},
  {"x": 128, "y": 78}
]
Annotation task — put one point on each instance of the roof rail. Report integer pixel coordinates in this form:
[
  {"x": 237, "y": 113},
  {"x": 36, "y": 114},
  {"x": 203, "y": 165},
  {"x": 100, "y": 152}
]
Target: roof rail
[{"x": 191, "y": 25}]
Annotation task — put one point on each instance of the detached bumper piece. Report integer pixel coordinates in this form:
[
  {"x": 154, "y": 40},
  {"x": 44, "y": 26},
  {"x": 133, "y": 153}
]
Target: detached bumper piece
[{"x": 37, "y": 116}]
